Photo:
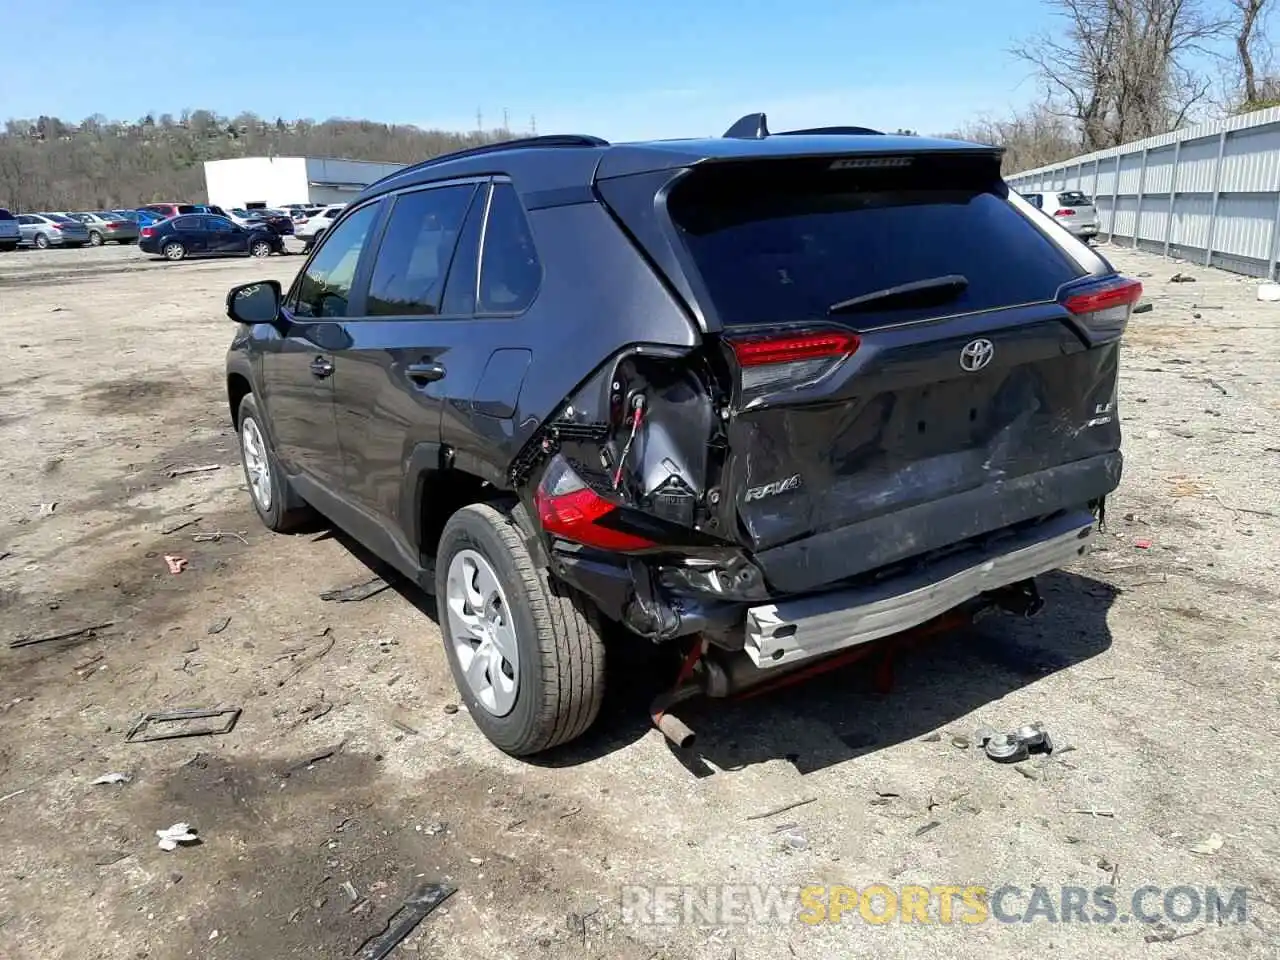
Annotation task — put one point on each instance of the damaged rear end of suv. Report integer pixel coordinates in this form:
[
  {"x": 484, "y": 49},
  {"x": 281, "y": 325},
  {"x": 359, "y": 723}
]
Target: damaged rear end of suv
[
  {"x": 759, "y": 399},
  {"x": 902, "y": 402}
]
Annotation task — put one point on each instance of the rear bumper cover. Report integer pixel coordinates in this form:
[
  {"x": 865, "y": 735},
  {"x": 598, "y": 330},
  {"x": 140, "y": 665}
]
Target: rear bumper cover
[
  {"x": 838, "y": 554},
  {"x": 781, "y": 633}
]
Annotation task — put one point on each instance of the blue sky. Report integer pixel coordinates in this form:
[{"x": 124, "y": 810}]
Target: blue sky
[{"x": 618, "y": 69}]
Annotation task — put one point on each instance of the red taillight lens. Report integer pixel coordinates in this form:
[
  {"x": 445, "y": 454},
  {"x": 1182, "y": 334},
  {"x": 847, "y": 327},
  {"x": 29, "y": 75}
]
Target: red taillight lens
[
  {"x": 1064, "y": 213},
  {"x": 148, "y": 231},
  {"x": 568, "y": 508},
  {"x": 770, "y": 364},
  {"x": 1103, "y": 306}
]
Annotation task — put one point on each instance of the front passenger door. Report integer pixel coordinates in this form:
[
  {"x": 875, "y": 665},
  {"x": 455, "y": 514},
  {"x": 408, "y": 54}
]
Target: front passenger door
[
  {"x": 225, "y": 238},
  {"x": 298, "y": 370}
]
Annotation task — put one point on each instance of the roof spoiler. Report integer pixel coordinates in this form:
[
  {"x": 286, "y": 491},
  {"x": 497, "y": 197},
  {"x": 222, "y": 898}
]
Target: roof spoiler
[{"x": 755, "y": 126}]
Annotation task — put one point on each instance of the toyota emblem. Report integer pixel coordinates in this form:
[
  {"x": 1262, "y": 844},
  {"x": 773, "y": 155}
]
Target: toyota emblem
[{"x": 976, "y": 355}]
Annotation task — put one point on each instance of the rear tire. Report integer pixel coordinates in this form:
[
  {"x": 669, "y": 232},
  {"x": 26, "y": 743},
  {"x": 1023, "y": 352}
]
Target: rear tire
[
  {"x": 41, "y": 242},
  {"x": 95, "y": 238},
  {"x": 560, "y": 674},
  {"x": 278, "y": 506},
  {"x": 174, "y": 251}
]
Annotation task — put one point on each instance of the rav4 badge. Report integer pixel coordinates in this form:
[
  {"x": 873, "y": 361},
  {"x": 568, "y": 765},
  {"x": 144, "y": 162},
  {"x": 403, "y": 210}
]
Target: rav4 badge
[{"x": 773, "y": 489}]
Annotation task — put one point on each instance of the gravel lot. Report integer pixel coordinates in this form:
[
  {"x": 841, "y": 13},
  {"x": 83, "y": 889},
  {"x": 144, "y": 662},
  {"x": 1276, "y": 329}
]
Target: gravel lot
[{"x": 1156, "y": 660}]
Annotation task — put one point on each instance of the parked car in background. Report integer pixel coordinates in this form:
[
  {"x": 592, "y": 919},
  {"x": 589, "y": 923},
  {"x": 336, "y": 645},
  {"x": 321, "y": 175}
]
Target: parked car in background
[
  {"x": 242, "y": 216},
  {"x": 1071, "y": 208},
  {"x": 206, "y": 235},
  {"x": 43, "y": 230},
  {"x": 170, "y": 209},
  {"x": 313, "y": 228},
  {"x": 277, "y": 221},
  {"x": 10, "y": 235},
  {"x": 107, "y": 225},
  {"x": 836, "y": 396},
  {"x": 143, "y": 218}
]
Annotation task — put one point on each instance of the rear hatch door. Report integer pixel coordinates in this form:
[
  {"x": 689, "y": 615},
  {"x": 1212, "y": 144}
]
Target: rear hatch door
[{"x": 902, "y": 375}]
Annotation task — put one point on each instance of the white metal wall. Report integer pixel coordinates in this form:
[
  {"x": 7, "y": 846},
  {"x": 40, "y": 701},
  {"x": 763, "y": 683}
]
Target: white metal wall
[{"x": 1209, "y": 193}]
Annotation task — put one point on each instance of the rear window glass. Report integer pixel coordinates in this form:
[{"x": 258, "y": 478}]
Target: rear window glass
[
  {"x": 1074, "y": 198},
  {"x": 188, "y": 208},
  {"x": 780, "y": 250},
  {"x": 60, "y": 218}
]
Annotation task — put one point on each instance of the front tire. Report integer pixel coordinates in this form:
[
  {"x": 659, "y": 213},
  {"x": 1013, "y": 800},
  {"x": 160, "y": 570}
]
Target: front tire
[
  {"x": 278, "y": 507},
  {"x": 526, "y": 653},
  {"x": 174, "y": 251},
  {"x": 260, "y": 249}
]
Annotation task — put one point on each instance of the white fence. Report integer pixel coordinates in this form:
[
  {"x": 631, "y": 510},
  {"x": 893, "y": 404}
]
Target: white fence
[{"x": 1209, "y": 193}]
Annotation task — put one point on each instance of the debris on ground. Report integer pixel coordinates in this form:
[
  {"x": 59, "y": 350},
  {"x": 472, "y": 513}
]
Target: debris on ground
[
  {"x": 416, "y": 908},
  {"x": 1163, "y": 933},
  {"x": 218, "y": 626},
  {"x": 315, "y": 756},
  {"x": 141, "y": 731},
  {"x": 46, "y": 509},
  {"x": 1143, "y": 544},
  {"x": 782, "y": 809},
  {"x": 931, "y": 737},
  {"x": 179, "y": 525},
  {"x": 1182, "y": 278},
  {"x": 180, "y": 834},
  {"x": 1144, "y": 307},
  {"x": 794, "y": 841},
  {"x": 309, "y": 660},
  {"x": 349, "y": 889},
  {"x": 183, "y": 471},
  {"x": 10, "y": 796},
  {"x": 356, "y": 592},
  {"x": 111, "y": 778},
  {"x": 1210, "y": 845},
  {"x": 1016, "y": 746},
  {"x": 1269, "y": 292},
  {"x": 86, "y": 633},
  {"x": 450, "y": 708},
  {"x": 217, "y": 535},
  {"x": 176, "y": 564},
  {"x": 931, "y": 825},
  {"x": 1095, "y": 811}
]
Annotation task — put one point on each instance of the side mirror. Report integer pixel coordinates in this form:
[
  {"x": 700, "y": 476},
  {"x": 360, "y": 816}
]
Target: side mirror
[{"x": 254, "y": 303}]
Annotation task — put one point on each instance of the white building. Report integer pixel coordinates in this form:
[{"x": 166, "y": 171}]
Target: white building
[{"x": 275, "y": 181}]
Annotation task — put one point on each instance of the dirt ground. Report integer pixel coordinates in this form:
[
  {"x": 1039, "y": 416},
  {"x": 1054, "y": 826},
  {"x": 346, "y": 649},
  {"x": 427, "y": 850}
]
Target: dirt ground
[{"x": 1156, "y": 660}]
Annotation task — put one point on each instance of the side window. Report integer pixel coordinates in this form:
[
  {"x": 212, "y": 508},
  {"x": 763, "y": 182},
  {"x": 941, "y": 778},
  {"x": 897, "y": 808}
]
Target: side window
[
  {"x": 221, "y": 224},
  {"x": 25, "y": 220},
  {"x": 413, "y": 259},
  {"x": 191, "y": 224},
  {"x": 325, "y": 285},
  {"x": 509, "y": 269},
  {"x": 460, "y": 288},
  {"x": 1035, "y": 200}
]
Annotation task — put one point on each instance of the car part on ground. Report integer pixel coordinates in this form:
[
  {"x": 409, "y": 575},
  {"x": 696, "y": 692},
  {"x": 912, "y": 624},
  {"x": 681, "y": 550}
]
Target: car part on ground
[{"x": 762, "y": 454}]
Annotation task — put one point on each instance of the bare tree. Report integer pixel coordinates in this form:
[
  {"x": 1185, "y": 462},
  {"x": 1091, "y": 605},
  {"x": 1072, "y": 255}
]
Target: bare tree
[
  {"x": 1122, "y": 69},
  {"x": 1250, "y": 39},
  {"x": 1035, "y": 137}
]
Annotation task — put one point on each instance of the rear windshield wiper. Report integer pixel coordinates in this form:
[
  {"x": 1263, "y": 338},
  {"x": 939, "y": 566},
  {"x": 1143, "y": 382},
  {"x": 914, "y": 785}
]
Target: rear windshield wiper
[{"x": 915, "y": 293}]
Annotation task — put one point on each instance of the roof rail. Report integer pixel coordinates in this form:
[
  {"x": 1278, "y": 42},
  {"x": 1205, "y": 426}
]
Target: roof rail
[
  {"x": 754, "y": 126},
  {"x": 546, "y": 140},
  {"x": 832, "y": 131}
]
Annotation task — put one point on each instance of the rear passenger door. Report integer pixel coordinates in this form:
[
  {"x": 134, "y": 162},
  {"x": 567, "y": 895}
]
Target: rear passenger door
[
  {"x": 392, "y": 381},
  {"x": 193, "y": 233}
]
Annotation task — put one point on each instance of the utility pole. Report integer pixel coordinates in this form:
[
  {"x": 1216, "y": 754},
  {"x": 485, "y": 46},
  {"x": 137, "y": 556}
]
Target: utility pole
[
  {"x": 533, "y": 124},
  {"x": 479, "y": 121},
  {"x": 505, "y": 124}
]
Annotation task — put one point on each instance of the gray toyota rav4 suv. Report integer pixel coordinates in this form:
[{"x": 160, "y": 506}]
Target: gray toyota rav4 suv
[{"x": 761, "y": 398}]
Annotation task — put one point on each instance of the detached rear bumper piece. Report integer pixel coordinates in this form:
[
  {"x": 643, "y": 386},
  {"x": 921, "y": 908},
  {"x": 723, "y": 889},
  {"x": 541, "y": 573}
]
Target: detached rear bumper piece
[{"x": 782, "y": 633}]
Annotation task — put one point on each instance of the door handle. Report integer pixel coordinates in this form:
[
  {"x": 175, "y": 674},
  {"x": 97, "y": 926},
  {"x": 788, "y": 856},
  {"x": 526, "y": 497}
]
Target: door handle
[
  {"x": 321, "y": 367},
  {"x": 428, "y": 371}
]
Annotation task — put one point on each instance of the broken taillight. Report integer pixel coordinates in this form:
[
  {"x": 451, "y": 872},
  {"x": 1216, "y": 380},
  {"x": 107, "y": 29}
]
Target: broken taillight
[
  {"x": 773, "y": 363},
  {"x": 569, "y": 508},
  {"x": 1102, "y": 307}
]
